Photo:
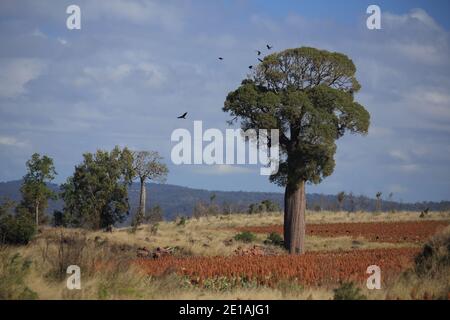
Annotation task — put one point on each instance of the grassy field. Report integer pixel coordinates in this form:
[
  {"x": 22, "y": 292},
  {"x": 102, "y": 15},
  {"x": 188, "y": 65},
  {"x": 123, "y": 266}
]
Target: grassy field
[{"x": 111, "y": 269}]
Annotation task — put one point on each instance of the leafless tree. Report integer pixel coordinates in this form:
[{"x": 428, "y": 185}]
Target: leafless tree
[{"x": 147, "y": 165}]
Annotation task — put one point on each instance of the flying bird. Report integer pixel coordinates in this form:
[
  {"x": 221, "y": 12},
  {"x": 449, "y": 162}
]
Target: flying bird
[
  {"x": 269, "y": 47},
  {"x": 259, "y": 52},
  {"x": 250, "y": 67},
  {"x": 260, "y": 60},
  {"x": 220, "y": 58},
  {"x": 183, "y": 116}
]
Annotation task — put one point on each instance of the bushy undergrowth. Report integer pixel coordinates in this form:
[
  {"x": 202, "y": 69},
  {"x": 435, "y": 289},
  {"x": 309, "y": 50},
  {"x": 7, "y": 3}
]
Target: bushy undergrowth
[
  {"x": 62, "y": 250},
  {"x": 430, "y": 276},
  {"x": 245, "y": 236},
  {"x": 16, "y": 229},
  {"x": 348, "y": 291},
  {"x": 13, "y": 271},
  {"x": 435, "y": 256},
  {"x": 274, "y": 239}
]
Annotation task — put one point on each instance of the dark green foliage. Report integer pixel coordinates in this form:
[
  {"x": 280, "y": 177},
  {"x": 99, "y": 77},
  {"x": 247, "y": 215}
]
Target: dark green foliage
[
  {"x": 435, "y": 256},
  {"x": 13, "y": 270},
  {"x": 263, "y": 206},
  {"x": 182, "y": 221},
  {"x": 307, "y": 94},
  {"x": 16, "y": 228},
  {"x": 60, "y": 219},
  {"x": 274, "y": 239},
  {"x": 340, "y": 198},
  {"x": 245, "y": 236},
  {"x": 348, "y": 291},
  {"x": 96, "y": 196}
]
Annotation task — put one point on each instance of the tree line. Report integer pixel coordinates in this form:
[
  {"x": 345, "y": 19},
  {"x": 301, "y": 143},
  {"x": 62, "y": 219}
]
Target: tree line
[{"x": 95, "y": 196}]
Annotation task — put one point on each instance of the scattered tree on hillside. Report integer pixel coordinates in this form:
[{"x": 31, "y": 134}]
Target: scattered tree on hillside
[
  {"x": 264, "y": 206},
  {"x": 200, "y": 210},
  {"x": 308, "y": 94},
  {"x": 96, "y": 196},
  {"x": 227, "y": 208},
  {"x": 378, "y": 196},
  {"x": 34, "y": 189},
  {"x": 340, "y": 198},
  {"x": 212, "y": 197},
  {"x": 155, "y": 215},
  {"x": 147, "y": 165},
  {"x": 391, "y": 202},
  {"x": 351, "y": 200}
]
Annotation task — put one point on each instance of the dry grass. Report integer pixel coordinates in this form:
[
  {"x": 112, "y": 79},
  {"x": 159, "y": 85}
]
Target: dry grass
[
  {"x": 430, "y": 279},
  {"x": 242, "y": 220},
  {"x": 106, "y": 273},
  {"x": 206, "y": 236}
]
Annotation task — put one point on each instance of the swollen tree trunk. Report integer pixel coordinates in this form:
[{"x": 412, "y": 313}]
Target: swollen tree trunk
[
  {"x": 294, "y": 218},
  {"x": 142, "y": 200}
]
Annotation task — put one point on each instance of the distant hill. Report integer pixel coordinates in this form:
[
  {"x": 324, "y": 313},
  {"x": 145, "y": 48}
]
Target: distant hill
[{"x": 176, "y": 200}]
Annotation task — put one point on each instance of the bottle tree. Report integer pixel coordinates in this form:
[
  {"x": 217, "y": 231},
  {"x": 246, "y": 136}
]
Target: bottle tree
[{"x": 308, "y": 94}]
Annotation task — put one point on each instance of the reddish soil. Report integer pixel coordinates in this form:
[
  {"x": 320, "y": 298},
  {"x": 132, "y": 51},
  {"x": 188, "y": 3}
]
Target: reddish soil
[{"x": 408, "y": 231}]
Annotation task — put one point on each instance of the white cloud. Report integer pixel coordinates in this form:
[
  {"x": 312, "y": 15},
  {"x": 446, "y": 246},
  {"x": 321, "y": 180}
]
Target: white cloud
[
  {"x": 11, "y": 141},
  {"x": 415, "y": 15},
  {"x": 421, "y": 52},
  {"x": 223, "y": 41},
  {"x": 163, "y": 14},
  {"x": 150, "y": 74},
  {"x": 222, "y": 169},
  {"x": 16, "y": 73},
  {"x": 399, "y": 155},
  {"x": 38, "y": 33},
  {"x": 431, "y": 103},
  {"x": 62, "y": 41},
  {"x": 380, "y": 132},
  {"x": 409, "y": 168}
]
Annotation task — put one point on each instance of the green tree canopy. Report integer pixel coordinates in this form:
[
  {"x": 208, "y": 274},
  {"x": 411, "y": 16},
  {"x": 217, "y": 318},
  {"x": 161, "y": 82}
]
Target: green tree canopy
[
  {"x": 96, "y": 196},
  {"x": 308, "y": 94}
]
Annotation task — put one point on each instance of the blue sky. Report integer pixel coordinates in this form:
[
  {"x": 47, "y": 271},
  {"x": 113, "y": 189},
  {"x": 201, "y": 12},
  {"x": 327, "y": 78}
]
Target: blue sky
[{"x": 135, "y": 65}]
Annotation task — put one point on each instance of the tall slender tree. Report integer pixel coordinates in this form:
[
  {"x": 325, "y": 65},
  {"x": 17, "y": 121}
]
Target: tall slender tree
[
  {"x": 35, "y": 192},
  {"x": 308, "y": 94},
  {"x": 147, "y": 165},
  {"x": 378, "y": 196},
  {"x": 340, "y": 198}
]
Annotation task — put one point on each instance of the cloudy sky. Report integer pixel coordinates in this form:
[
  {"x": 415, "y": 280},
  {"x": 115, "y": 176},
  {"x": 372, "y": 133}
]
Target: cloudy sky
[{"x": 135, "y": 65}]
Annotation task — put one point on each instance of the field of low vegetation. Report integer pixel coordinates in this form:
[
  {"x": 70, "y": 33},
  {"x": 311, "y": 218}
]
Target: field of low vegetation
[{"x": 237, "y": 256}]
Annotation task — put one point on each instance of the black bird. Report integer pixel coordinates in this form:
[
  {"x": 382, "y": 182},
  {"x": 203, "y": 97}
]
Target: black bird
[
  {"x": 259, "y": 52},
  {"x": 183, "y": 116},
  {"x": 250, "y": 67},
  {"x": 220, "y": 58},
  {"x": 269, "y": 47},
  {"x": 260, "y": 60}
]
